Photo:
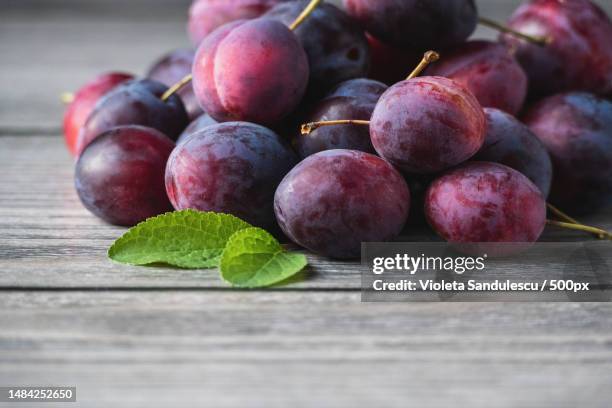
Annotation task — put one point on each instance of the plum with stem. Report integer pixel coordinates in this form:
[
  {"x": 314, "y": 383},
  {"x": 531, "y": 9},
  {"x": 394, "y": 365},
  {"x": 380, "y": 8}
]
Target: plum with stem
[
  {"x": 335, "y": 44},
  {"x": 170, "y": 69},
  {"x": 353, "y": 99},
  {"x": 489, "y": 71},
  {"x": 417, "y": 25},
  {"x": 255, "y": 71},
  {"x": 578, "y": 56},
  {"x": 423, "y": 125},
  {"x": 137, "y": 102}
]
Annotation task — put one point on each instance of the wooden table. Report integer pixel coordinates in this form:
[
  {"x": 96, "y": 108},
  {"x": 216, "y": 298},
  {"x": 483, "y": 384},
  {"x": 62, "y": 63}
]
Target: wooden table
[{"x": 144, "y": 337}]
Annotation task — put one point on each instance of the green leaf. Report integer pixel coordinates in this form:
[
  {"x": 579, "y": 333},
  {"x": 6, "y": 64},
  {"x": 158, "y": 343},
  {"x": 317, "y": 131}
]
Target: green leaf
[
  {"x": 187, "y": 239},
  {"x": 253, "y": 258}
]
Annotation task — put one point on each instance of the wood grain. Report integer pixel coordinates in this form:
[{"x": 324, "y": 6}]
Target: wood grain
[{"x": 305, "y": 349}]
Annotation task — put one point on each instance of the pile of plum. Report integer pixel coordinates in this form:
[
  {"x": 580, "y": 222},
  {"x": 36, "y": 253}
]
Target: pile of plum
[{"x": 302, "y": 115}]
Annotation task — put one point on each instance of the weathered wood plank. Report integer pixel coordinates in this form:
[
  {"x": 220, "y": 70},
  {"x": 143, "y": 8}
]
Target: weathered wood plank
[
  {"x": 331, "y": 381},
  {"x": 226, "y": 313},
  {"x": 321, "y": 349}
]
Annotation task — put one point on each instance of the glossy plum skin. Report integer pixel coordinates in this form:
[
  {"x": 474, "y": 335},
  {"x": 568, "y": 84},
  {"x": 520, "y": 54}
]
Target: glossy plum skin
[
  {"x": 336, "y": 199},
  {"x": 576, "y": 128},
  {"x": 203, "y": 121},
  {"x": 205, "y": 16},
  {"x": 119, "y": 177},
  {"x": 336, "y": 46},
  {"x": 416, "y": 25},
  {"x": 512, "y": 143},
  {"x": 83, "y": 104},
  {"x": 579, "y": 58},
  {"x": 255, "y": 71},
  {"x": 427, "y": 124},
  {"x": 485, "y": 202},
  {"x": 135, "y": 102},
  {"x": 489, "y": 71},
  {"x": 170, "y": 69},
  {"x": 231, "y": 167},
  {"x": 353, "y": 99},
  {"x": 390, "y": 65}
]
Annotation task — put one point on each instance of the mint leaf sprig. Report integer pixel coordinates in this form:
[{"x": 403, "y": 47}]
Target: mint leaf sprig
[{"x": 248, "y": 257}]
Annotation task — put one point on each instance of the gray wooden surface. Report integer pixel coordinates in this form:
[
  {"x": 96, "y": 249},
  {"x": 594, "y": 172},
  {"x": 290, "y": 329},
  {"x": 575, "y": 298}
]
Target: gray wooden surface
[{"x": 141, "y": 337}]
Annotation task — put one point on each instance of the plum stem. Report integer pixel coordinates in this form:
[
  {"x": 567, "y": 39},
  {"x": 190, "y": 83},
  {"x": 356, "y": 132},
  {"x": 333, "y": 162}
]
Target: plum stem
[
  {"x": 307, "y": 128},
  {"x": 304, "y": 14},
  {"x": 428, "y": 58},
  {"x": 601, "y": 234},
  {"x": 561, "y": 214},
  {"x": 571, "y": 220},
  {"x": 539, "y": 40},
  {"x": 176, "y": 87},
  {"x": 66, "y": 97}
]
